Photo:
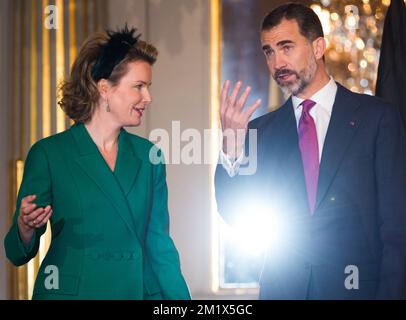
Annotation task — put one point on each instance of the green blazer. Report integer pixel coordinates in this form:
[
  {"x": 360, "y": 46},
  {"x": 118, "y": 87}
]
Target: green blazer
[{"x": 110, "y": 230}]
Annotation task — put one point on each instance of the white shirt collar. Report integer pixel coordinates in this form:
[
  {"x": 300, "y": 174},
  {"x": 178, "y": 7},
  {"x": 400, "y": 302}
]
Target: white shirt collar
[{"x": 324, "y": 97}]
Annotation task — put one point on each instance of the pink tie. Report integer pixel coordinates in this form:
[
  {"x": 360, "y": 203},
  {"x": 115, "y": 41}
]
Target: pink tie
[{"x": 309, "y": 149}]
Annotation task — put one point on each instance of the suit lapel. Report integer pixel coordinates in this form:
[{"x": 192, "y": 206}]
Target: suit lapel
[
  {"x": 288, "y": 157},
  {"x": 343, "y": 125},
  {"x": 93, "y": 164}
]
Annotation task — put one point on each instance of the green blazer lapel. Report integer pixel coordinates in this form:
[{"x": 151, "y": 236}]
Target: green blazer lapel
[
  {"x": 127, "y": 163},
  {"x": 93, "y": 164}
]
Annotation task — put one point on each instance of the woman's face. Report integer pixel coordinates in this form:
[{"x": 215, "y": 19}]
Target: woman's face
[{"x": 129, "y": 98}]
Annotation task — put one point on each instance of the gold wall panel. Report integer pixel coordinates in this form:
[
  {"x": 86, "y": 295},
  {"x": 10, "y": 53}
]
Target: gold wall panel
[{"x": 41, "y": 59}]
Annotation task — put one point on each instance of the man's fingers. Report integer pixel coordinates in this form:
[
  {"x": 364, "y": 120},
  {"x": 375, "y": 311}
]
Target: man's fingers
[
  {"x": 234, "y": 94},
  {"x": 243, "y": 99},
  {"x": 252, "y": 108},
  {"x": 224, "y": 94},
  {"x": 231, "y": 106}
]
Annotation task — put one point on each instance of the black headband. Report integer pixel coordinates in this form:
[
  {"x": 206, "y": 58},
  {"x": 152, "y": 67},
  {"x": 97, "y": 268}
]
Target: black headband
[{"x": 113, "y": 52}]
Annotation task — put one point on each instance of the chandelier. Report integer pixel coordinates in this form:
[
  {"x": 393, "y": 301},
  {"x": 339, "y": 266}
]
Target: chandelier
[{"x": 353, "y": 31}]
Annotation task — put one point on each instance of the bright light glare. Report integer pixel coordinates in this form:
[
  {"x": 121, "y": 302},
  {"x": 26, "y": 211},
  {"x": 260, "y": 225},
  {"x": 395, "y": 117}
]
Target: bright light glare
[{"x": 256, "y": 230}]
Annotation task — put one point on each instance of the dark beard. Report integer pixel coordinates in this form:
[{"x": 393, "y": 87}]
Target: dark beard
[
  {"x": 293, "y": 87},
  {"x": 303, "y": 78},
  {"x": 284, "y": 72}
]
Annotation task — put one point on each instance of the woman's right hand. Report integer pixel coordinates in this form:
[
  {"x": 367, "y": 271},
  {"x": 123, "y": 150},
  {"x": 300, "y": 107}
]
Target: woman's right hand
[{"x": 31, "y": 218}]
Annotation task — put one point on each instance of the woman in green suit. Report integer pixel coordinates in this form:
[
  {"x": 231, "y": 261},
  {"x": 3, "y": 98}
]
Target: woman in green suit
[{"x": 102, "y": 188}]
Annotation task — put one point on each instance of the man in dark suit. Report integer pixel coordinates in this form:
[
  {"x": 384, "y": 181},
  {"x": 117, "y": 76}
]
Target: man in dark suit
[{"x": 331, "y": 169}]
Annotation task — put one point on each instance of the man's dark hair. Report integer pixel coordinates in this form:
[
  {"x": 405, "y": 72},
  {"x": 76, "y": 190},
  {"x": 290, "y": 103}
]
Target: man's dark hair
[{"x": 308, "y": 21}]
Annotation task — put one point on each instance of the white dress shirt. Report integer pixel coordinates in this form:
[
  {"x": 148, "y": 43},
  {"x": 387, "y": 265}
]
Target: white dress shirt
[{"x": 321, "y": 113}]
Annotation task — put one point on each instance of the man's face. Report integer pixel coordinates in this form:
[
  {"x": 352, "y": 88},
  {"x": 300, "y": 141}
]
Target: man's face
[{"x": 290, "y": 57}]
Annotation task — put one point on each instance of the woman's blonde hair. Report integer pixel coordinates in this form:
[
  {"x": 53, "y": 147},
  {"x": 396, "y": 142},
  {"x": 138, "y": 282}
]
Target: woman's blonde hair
[{"x": 79, "y": 92}]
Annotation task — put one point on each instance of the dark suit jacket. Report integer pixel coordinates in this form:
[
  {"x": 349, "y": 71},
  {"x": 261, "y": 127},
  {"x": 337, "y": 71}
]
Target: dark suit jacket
[
  {"x": 110, "y": 230},
  {"x": 360, "y": 215}
]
